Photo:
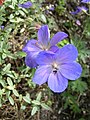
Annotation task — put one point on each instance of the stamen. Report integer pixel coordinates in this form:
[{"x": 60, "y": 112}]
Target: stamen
[
  {"x": 39, "y": 45},
  {"x": 55, "y": 68}
]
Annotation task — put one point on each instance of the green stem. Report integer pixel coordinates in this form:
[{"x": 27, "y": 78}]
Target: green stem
[{"x": 89, "y": 8}]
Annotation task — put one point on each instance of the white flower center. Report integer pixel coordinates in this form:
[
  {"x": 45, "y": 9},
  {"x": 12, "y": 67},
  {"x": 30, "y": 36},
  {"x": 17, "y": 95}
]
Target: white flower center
[
  {"x": 43, "y": 47},
  {"x": 55, "y": 67}
]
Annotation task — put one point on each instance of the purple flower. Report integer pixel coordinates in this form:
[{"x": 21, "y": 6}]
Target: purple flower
[
  {"x": 78, "y": 22},
  {"x": 26, "y": 5},
  {"x": 79, "y": 9},
  {"x": 34, "y": 47},
  {"x": 85, "y": 1},
  {"x": 2, "y": 27},
  {"x": 57, "y": 68},
  {"x": 52, "y": 8}
]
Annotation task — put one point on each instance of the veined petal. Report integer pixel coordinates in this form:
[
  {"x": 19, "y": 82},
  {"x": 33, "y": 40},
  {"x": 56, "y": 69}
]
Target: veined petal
[
  {"x": 54, "y": 49},
  {"x": 57, "y": 82},
  {"x": 44, "y": 35},
  {"x": 58, "y": 37},
  {"x": 45, "y": 58},
  {"x": 41, "y": 74},
  {"x": 31, "y": 45},
  {"x": 66, "y": 54},
  {"x": 30, "y": 61},
  {"x": 71, "y": 71}
]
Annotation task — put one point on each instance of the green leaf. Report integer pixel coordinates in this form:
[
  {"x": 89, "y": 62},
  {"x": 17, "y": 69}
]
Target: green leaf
[
  {"x": 39, "y": 96},
  {"x": 36, "y": 102},
  {"x": 22, "y": 30},
  {"x": 11, "y": 100},
  {"x": 20, "y": 97},
  {"x": 4, "y": 55},
  {"x": 79, "y": 86},
  {"x": 15, "y": 92},
  {"x": 6, "y": 68},
  {"x": 45, "y": 106},
  {"x": 21, "y": 54},
  {"x": 43, "y": 18},
  {"x": 10, "y": 87},
  {"x": 22, "y": 13},
  {"x": 1, "y": 92},
  {"x": 23, "y": 107},
  {"x": 2, "y": 82},
  {"x": 0, "y": 103},
  {"x": 34, "y": 110},
  {"x": 27, "y": 98},
  {"x": 9, "y": 81}
]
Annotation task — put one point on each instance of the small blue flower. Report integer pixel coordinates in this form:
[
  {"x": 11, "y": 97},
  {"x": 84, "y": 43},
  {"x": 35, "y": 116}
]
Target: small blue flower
[
  {"x": 26, "y": 5},
  {"x": 57, "y": 68},
  {"x": 79, "y": 9},
  {"x": 2, "y": 27},
  {"x": 34, "y": 47},
  {"x": 85, "y": 1},
  {"x": 78, "y": 22},
  {"x": 52, "y": 8}
]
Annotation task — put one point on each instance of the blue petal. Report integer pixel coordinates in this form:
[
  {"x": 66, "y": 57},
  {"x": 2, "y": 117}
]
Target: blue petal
[
  {"x": 54, "y": 49},
  {"x": 83, "y": 8},
  {"x": 76, "y": 11},
  {"x": 85, "y": 1},
  {"x": 41, "y": 74},
  {"x": 27, "y": 4},
  {"x": 66, "y": 54},
  {"x": 79, "y": 9},
  {"x": 44, "y": 35},
  {"x": 30, "y": 60},
  {"x": 2, "y": 27},
  {"x": 30, "y": 46},
  {"x": 58, "y": 37},
  {"x": 71, "y": 71},
  {"x": 45, "y": 58},
  {"x": 57, "y": 82}
]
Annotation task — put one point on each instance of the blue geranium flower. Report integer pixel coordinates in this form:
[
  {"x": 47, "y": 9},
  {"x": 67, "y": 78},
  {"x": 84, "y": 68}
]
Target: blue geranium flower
[
  {"x": 57, "y": 68},
  {"x": 27, "y": 4},
  {"x": 34, "y": 47},
  {"x": 85, "y": 1},
  {"x": 2, "y": 27},
  {"x": 80, "y": 9}
]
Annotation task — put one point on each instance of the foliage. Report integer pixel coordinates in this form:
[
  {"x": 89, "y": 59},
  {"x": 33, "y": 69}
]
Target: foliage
[{"x": 21, "y": 24}]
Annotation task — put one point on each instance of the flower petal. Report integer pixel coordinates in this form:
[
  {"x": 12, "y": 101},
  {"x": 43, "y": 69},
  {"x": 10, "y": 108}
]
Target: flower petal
[
  {"x": 83, "y": 8},
  {"x": 76, "y": 11},
  {"x": 30, "y": 61},
  {"x": 31, "y": 45},
  {"x": 45, "y": 58},
  {"x": 85, "y": 1},
  {"x": 79, "y": 9},
  {"x": 71, "y": 71},
  {"x": 41, "y": 74},
  {"x": 44, "y": 35},
  {"x": 58, "y": 37},
  {"x": 66, "y": 54},
  {"x": 54, "y": 49},
  {"x": 57, "y": 82},
  {"x": 27, "y": 4}
]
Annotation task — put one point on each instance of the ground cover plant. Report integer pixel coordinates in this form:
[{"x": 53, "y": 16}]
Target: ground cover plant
[{"x": 45, "y": 59}]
